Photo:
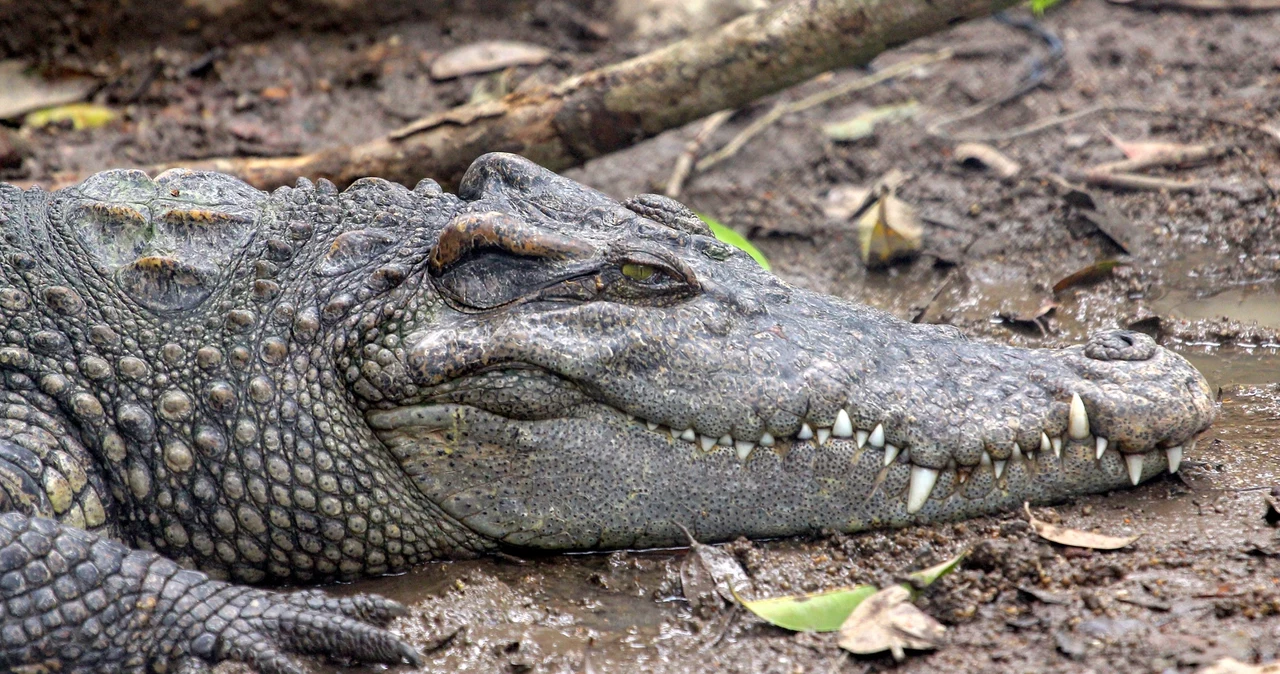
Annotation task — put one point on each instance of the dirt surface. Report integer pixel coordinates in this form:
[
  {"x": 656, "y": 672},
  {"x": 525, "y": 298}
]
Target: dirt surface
[{"x": 1202, "y": 272}]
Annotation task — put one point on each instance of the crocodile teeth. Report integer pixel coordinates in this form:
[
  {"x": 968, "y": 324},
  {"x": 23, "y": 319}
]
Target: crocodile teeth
[
  {"x": 999, "y": 466},
  {"x": 1045, "y": 445},
  {"x": 1175, "y": 458},
  {"x": 1134, "y": 463},
  {"x": 985, "y": 460},
  {"x": 725, "y": 440},
  {"x": 743, "y": 449},
  {"x": 805, "y": 432},
  {"x": 688, "y": 435},
  {"x": 766, "y": 440},
  {"x": 824, "y": 434},
  {"x": 843, "y": 428},
  {"x": 922, "y": 482},
  {"x": 1077, "y": 419},
  {"x": 890, "y": 453},
  {"x": 1016, "y": 457},
  {"x": 707, "y": 442},
  {"x": 1102, "y": 446},
  {"x": 862, "y": 437},
  {"x": 877, "y": 436},
  {"x": 1057, "y": 445},
  {"x": 650, "y": 425}
]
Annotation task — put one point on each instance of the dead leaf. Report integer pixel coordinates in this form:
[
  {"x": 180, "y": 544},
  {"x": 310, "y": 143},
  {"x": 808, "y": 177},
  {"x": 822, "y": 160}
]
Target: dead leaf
[
  {"x": 887, "y": 620},
  {"x": 1115, "y": 227},
  {"x": 1033, "y": 319},
  {"x": 845, "y": 201},
  {"x": 986, "y": 156},
  {"x": 863, "y": 125},
  {"x": 22, "y": 91},
  {"x": 1141, "y": 149},
  {"x": 710, "y": 577},
  {"x": 1075, "y": 537},
  {"x": 1233, "y": 666},
  {"x": 1091, "y": 274},
  {"x": 888, "y": 231},
  {"x": 485, "y": 57}
]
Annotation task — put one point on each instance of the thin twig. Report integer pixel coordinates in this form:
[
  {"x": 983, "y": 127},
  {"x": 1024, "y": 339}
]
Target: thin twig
[
  {"x": 684, "y": 163},
  {"x": 1134, "y": 181},
  {"x": 783, "y": 109},
  {"x": 1173, "y": 156}
]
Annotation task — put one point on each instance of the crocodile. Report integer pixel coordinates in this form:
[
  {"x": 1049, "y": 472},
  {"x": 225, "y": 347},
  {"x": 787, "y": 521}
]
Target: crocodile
[{"x": 208, "y": 389}]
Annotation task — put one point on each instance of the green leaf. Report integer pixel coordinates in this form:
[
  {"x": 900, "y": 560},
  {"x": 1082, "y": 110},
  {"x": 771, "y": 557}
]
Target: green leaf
[
  {"x": 926, "y": 577},
  {"x": 1038, "y": 6},
  {"x": 817, "y": 612},
  {"x": 733, "y": 238}
]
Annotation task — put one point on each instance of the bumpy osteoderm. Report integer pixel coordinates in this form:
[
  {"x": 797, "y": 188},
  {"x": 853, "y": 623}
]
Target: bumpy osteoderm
[{"x": 308, "y": 384}]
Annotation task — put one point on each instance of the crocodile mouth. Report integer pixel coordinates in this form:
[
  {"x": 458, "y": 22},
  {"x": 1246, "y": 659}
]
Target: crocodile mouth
[{"x": 497, "y": 474}]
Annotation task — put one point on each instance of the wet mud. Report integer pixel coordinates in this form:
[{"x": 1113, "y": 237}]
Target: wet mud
[{"x": 1201, "y": 271}]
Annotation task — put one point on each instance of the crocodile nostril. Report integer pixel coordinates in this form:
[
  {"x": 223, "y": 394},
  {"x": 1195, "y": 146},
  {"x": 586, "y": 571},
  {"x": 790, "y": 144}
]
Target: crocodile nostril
[{"x": 1120, "y": 345}]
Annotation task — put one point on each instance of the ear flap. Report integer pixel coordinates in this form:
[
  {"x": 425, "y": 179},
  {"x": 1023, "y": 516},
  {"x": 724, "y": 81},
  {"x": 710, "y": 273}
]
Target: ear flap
[{"x": 486, "y": 260}]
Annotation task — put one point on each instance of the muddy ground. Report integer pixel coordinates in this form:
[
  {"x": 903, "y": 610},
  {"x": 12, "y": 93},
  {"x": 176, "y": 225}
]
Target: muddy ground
[{"x": 1202, "y": 273}]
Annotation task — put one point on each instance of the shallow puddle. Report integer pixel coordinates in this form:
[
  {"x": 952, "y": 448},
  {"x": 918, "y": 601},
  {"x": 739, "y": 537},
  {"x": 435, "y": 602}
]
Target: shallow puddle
[{"x": 1254, "y": 302}]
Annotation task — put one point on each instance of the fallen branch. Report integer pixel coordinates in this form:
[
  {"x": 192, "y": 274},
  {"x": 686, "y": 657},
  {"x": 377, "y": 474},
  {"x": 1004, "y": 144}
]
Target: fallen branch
[
  {"x": 1183, "y": 155},
  {"x": 611, "y": 108},
  {"x": 1133, "y": 181}
]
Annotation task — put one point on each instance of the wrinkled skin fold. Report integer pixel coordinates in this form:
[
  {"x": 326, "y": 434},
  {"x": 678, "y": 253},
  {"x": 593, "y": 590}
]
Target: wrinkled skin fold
[{"x": 311, "y": 385}]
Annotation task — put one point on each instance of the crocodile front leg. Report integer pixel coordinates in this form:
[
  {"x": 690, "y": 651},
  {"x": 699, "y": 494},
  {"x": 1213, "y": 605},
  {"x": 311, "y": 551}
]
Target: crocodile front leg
[{"x": 74, "y": 601}]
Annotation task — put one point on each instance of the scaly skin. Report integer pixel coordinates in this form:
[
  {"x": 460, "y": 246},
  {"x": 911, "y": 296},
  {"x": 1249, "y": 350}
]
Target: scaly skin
[{"x": 309, "y": 385}]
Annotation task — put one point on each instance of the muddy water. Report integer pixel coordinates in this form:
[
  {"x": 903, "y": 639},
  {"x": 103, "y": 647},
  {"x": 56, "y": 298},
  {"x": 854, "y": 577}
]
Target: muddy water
[{"x": 621, "y": 612}]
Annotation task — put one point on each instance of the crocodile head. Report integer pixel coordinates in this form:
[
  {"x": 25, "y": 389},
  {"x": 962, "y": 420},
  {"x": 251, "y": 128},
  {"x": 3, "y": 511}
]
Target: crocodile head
[{"x": 579, "y": 373}]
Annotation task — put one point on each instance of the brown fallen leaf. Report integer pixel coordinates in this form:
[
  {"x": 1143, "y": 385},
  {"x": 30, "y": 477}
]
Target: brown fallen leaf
[
  {"x": 887, "y": 620},
  {"x": 987, "y": 157},
  {"x": 709, "y": 576},
  {"x": 1023, "y": 315},
  {"x": 484, "y": 57},
  {"x": 1075, "y": 537},
  {"x": 21, "y": 90},
  {"x": 1093, "y": 273},
  {"x": 1113, "y": 226}
]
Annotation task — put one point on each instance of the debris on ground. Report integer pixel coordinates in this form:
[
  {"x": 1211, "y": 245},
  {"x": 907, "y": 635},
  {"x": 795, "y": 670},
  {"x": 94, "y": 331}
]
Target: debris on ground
[{"x": 1075, "y": 537}]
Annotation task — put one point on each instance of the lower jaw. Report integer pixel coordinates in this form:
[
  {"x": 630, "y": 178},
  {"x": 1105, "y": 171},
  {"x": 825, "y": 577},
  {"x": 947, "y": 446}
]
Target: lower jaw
[{"x": 600, "y": 480}]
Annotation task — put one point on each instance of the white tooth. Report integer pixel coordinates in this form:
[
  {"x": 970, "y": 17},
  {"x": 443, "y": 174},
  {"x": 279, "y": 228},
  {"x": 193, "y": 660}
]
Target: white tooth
[
  {"x": 999, "y": 466},
  {"x": 843, "y": 427},
  {"x": 805, "y": 432},
  {"x": 1017, "y": 453},
  {"x": 1102, "y": 446},
  {"x": 766, "y": 440},
  {"x": 862, "y": 437},
  {"x": 743, "y": 449},
  {"x": 707, "y": 442},
  {"x": 922, "y": 482},
  {"x": 688, "y": 435},
  {"x": 1175, "y": 458},
  {"x": 823, "y": 435},
  {"x": 1134, "y": 463},
  {"x": 650, "y": 425},
  {"x": 1057, "y": 445},
  {"x": 985, "y": 460},
  {"x": 1045, "y": 445},
  {"x": 1077, "y": 419},
  {"x": 877, "y": 436},
  {"x": 725, "y": 440},
  {"x": 890, "y": 453}
]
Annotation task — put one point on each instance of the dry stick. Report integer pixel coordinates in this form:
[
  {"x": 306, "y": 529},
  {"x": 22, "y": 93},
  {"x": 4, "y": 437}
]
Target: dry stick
[
  {"x": 684, "y": 163},
  {"x": 604, "y": 110},
  {"x": 1133, "y": 181},
  {"x": 782, "y": 109},
  {"x": 1174, "y": 156}
]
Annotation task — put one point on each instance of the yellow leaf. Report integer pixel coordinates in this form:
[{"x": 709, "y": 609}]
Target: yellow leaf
[{"x": 81, "y": 116}]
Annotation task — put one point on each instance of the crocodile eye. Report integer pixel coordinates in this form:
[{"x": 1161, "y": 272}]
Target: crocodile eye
[{"x": 638, "y": 272}]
